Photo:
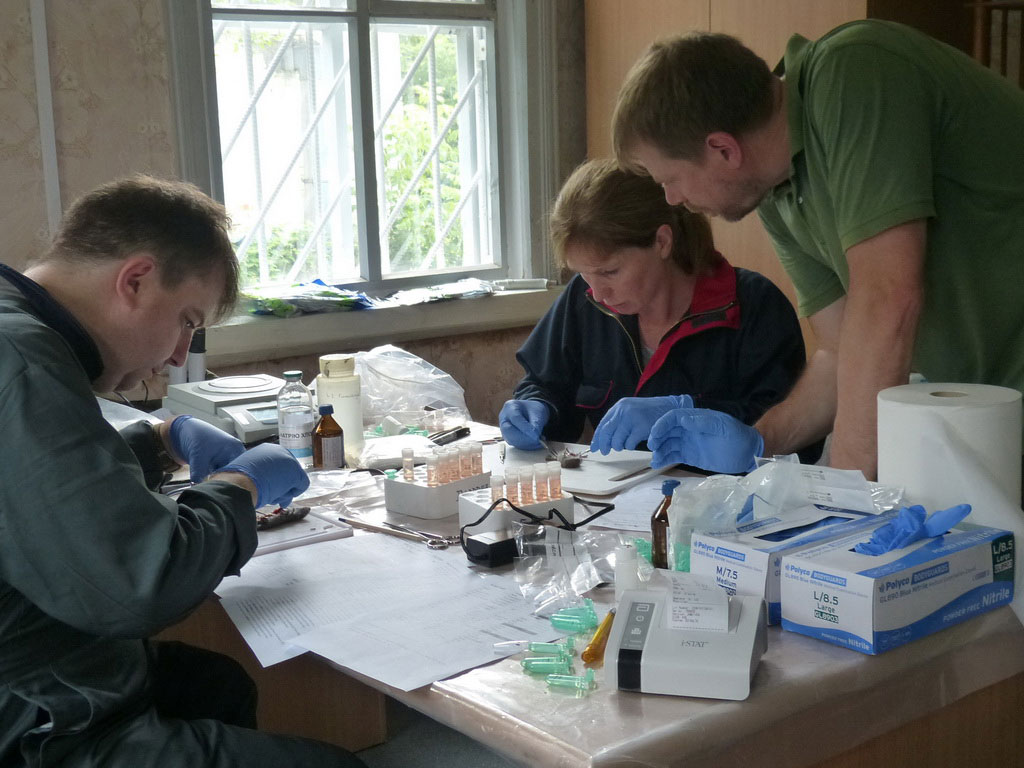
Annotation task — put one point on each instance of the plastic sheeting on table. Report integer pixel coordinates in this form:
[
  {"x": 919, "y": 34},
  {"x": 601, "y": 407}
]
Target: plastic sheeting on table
[{"x": 809, "y": 701}]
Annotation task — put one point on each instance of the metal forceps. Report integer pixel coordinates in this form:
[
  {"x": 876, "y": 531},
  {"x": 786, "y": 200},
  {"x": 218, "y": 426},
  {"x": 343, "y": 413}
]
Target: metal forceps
[{"x": 432, "y": 540}]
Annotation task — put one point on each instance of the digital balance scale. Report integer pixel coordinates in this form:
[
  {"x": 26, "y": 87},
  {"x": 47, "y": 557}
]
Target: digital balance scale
[
  {"x": 244, "y": 405},
  {"x": 652, "y": 650}
]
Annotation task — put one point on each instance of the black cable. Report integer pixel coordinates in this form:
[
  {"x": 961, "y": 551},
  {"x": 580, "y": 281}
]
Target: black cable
[
  {"x": 553, "y": 513},
  {"x": 603, "y": 508}
]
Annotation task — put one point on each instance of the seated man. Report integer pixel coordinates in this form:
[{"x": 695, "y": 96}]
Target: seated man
[
  {"x": 655, "y": 320},
  {"x": 92, "y": 560}
]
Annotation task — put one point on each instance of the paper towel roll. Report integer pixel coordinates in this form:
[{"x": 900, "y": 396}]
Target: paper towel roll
[
  {"x": 952, "y": 443},
  {"x": 926, "y": 431}
]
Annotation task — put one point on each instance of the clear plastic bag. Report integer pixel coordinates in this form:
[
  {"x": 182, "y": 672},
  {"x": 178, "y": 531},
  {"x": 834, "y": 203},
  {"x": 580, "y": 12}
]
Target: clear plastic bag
[
  {"x": 721, "y": 503},
  {"x": 556, "y": 566},
  {"x": 408, "y": 389}
]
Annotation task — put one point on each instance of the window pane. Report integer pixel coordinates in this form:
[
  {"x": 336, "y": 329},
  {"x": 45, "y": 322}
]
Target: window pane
[
  {"x": 287, "y": 4},
  {"x": 287, "y": 149},
  {"x": 433, "y": 116}
]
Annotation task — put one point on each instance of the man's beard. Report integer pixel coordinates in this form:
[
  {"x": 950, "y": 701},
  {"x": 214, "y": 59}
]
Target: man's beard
[{"x": 751, "y": 193}]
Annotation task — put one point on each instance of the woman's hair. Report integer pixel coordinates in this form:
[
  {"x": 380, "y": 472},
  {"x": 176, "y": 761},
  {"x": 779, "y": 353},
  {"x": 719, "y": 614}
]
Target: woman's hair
[{"x": 606, "y": 208}]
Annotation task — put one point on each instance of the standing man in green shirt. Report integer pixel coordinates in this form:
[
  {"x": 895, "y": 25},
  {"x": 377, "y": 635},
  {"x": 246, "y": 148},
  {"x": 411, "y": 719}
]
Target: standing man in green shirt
[{"x": 888, "y": 170}]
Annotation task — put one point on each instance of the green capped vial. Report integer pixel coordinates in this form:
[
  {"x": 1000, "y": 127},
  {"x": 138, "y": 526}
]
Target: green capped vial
[
  {"x": 585, "y": 613},
  {"x": 584, "y": 682},
  {"x": 572, "y": 623},
  {"x": 547, "y": 665},
  {"x": 565, "y": 647}
]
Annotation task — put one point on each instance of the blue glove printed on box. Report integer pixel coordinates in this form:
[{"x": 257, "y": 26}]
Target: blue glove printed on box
[
  {"x": 701, "y": 437},
  {"x": 522, "y": 422},
  {"x": 204, "y": 447},
  {"x": 910, "y": 525},
  {"x": 277, "y": 475},
  {"x": 628, "y": 423}
]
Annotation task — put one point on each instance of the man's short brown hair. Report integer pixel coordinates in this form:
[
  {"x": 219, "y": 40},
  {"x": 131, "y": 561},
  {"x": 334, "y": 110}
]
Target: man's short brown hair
[
  {"x": 605, "y": 208},
  {"x": 687, "y": 87},
  {"x": 177, "y": 223}
]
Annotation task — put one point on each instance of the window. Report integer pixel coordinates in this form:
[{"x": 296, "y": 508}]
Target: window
[{"x": 376, "y": 144}]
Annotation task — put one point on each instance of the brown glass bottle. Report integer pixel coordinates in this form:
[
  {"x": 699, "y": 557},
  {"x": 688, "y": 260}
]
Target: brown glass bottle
[
  {"x": 659, "y": 526},
  {"x": 328, "y": 441}
]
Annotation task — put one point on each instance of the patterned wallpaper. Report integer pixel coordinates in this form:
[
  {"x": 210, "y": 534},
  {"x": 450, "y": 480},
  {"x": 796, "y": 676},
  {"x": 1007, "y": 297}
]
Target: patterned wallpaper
[
  {"x": 22, "y": 202},
  {"x": 111, "y": 105},
  {"x": 483, "y": 363}
]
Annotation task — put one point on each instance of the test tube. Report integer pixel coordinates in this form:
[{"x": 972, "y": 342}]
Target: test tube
[
  {"x": 564, "y": 647},
  {"x": 450, "y": 459},
  {"x": 433, "y": 470},
  {"x": 497, "y": 488},
  {"x": 540, "y": 479},
  {"x": 583, "y": 682},
  {"x": 554, "y": 480},
  {"x": 466, "y": 460},
  {"x": 546, "y": 665},
  {"x": 512, "y": 484},
  {"x": 585, "y": 611},
  {"x": 477, "y": 452},
  {"x": 454, "y": 470},
  {"x": 408, "y": 465},
  {"x": 526, "y": 484}
]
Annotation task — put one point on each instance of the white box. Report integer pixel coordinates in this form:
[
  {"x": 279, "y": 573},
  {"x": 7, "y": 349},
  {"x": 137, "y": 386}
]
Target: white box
[
  {"x": 473, "y": 504},
  {"x": 874, "y": 603},
  {"x": 417, "y": 499},
  {"x": 748, "y": 561}
]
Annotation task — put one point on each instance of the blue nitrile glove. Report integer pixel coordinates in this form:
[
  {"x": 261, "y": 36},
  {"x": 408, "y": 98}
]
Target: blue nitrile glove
[
  {"x": 522, "y": 421},
  {"x": 704, "y": 438},
  {"x": 909, "y": 526},
  {"x": 203, "y": 447},
  {"x": 279, "y": 478},
  {"x": 628, "y": 423}
]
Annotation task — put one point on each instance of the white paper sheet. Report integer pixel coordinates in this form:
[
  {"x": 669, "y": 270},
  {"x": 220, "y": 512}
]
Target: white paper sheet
[
  {"x": 634, "y": 506},
  {"x": 338, "y": 599}
]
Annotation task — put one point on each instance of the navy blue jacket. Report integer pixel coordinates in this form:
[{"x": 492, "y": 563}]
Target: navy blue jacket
[{"x": 738, "y": 349}]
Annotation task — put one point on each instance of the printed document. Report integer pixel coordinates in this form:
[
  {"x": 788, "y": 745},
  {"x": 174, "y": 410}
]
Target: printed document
[{"x": 384, "y": 607}]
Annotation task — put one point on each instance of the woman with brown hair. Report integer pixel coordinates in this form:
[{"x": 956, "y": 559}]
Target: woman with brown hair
[{"x": 655, "y": 320}]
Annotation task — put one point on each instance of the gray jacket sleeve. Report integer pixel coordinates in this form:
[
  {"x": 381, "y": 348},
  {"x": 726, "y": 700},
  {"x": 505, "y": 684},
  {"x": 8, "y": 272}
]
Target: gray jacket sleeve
[{"x": 81, "y": 535}]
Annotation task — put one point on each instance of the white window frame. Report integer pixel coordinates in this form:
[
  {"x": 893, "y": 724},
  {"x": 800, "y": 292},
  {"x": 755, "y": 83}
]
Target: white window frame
[{"x": 527, "y": 149}]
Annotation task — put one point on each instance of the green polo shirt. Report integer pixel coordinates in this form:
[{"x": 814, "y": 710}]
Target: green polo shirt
[{"x": 886, "y": 126}]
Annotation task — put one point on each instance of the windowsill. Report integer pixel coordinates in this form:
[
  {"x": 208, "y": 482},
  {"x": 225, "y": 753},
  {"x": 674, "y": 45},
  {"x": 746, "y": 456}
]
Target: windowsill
[{"x": 251, "y": 338}]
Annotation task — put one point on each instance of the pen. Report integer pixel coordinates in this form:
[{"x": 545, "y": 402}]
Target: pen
[
  {"x": 448, "y": 435},
  {"x": 595, "y": 649}
]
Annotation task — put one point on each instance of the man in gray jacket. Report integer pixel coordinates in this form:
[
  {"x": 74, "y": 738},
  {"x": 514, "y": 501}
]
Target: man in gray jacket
[{"x": 93, "y": 560}]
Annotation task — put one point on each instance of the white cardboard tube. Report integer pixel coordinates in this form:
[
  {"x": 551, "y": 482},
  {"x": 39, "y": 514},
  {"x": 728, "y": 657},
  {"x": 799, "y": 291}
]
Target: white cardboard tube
[{"x": 949, "y": 444}]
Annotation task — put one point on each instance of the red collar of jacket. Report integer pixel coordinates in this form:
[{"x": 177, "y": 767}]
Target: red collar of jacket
[{"x": 714, "y": 305}]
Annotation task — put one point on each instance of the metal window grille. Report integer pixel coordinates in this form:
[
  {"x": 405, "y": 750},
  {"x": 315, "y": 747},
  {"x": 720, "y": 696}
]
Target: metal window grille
[{"x": 322, "y": 184}]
